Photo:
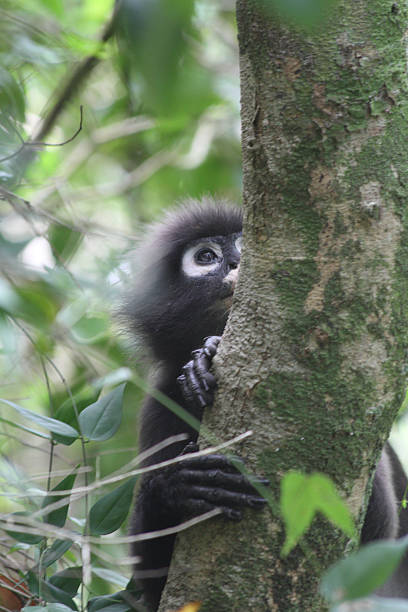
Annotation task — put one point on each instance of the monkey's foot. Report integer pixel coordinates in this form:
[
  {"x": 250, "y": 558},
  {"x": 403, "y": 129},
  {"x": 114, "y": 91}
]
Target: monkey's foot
[{"x": 197, "y": 383}]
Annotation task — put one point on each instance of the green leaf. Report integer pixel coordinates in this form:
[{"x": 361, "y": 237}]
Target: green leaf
[
  {"x": 68, "y": 580},
  {"x": 54, "y": 594},
  {"x": 58, "y": 516},
  {"x": 66, "y": 412},
  {"x": 109, "y": 512},
  {"x": 64, "y": 241},
  {"x": 364, "y": 571},
  {"x": 169, "y": 72},
  {"x": 297, "y": 509},
  {"x": 34, "y": 432},
  {"x": 37, "y": 304},
  {"x": 302, "y": 496},
  {"x": 55, "y": 552},
  {"x": 108, "y": 604},
  {"x": 101, "y": 420},
  {"x": 47, "y": 422},
  {"x": 110, "y": 576},
  {"x": 20, "y": 536},
  {"x": 12, "y": 100},
  {"x": 130, "y": 597},
  {"x": 48, "y": 591},
  {"x": 373, "y": 604},
  {"x": 90, "y": 329}
]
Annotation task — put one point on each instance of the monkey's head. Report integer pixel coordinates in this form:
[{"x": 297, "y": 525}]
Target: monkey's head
[{"x": 187, "y": 270}]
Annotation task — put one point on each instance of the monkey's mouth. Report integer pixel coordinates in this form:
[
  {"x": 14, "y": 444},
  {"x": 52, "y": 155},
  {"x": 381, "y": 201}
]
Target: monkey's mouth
[
  {"x": 227, "y": 301},
  {"x": 228, "y": 296}
]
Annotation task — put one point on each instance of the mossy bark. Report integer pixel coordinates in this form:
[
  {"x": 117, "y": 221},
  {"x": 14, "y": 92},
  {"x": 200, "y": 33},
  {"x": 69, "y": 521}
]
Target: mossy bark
[{"x": 313, "y": 357}]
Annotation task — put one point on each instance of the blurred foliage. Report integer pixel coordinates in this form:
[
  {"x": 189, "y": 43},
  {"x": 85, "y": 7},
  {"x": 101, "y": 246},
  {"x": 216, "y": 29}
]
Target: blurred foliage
[{"x": 105, "y": 119}]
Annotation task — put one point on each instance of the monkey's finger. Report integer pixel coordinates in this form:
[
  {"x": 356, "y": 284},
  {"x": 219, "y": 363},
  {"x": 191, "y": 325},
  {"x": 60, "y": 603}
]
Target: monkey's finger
[
  {"x": 190, "y": 447},
  {"x": 191, "y": 393},
  {"x": 229, "y": 499},
  {"x": 194, "y": 387},
  {"x": 186, "y": 391},
  {"x": 211, "y": 462},
  {"x": 225, "y": 480},
  {"x": 201, "y": 365},
  {"x": 195, "y": 507},
  {"x": 211, "y": 345}
]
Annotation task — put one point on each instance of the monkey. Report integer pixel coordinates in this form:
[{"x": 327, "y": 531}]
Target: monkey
[{"x": 179, "y": 306}]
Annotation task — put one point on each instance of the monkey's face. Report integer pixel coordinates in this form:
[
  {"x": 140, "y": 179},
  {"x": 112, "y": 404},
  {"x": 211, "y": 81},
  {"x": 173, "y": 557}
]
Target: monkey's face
[
  {"x": 201, "y": 287},
  {"x": 188, "y": 268},
  {"x": 213, "y": 263}
]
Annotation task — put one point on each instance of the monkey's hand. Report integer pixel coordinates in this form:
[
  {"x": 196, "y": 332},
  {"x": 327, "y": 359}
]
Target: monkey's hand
[
  {"x": 200, "y": 484},
  {"x": 197, "y": 383}
]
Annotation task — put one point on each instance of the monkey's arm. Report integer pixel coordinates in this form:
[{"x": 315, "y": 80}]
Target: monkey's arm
[{"x": 171, "y": 495}]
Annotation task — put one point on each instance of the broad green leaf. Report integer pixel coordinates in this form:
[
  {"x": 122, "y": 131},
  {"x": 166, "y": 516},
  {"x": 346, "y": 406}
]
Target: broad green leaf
[
  {"x": 55, "y": 552},
  {"x": 68, "y": 580},
  {"x": 101, "y": 420},
  {"x": 169, "y": 72},
  {"x": 67, "y": 414},
  {"x": 364, "y": 571},
  {"x": 21, "y": 536},
  {"x": 128, "y": 599},
  {"x": 64, "y": 241},
  {"x": 37, "y": 305},
  {"x": 109, "y": 512},
  {"x": 90, "y": 329},
  {"x": 34, "y": 432},
  {"x": 48, "y": 591},
  {"x": 47, "y": 422},
  {"x": 12, "y": 100},
  {"x": 297, "y": 508},
  {"x": 58, "y": 516},
  {"x": 330, "y": 504},
  {"x": 302, "y": 496},
  {"x": 111, "y": 576},
  {"x": 54, "y": 594},
  {"x": 109, "y": 605}
]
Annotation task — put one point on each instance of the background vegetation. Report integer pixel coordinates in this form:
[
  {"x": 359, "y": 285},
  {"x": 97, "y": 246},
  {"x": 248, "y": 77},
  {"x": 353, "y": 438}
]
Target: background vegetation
[{"x": 98, "y": 133}]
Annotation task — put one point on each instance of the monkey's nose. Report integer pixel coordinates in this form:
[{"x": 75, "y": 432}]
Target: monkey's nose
[{"x": 233, "y": 265}]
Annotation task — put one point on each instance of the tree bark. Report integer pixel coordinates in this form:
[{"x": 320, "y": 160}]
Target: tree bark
[{"x": 314, "y": 351}]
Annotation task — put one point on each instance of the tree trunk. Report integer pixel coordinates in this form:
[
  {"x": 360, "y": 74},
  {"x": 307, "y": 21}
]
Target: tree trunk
[{"x": 314, "y": 351}]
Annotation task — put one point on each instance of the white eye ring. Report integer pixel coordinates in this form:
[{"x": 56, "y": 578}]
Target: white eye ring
[
  {"x": 238, "y": 244},
  {"x": 189, "y": 264}
]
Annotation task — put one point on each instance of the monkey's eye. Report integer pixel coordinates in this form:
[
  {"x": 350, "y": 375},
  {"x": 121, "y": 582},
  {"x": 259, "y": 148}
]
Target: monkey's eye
[
  {"x": 200, "y": 259},
  {"x": 205, "y": 256}
]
